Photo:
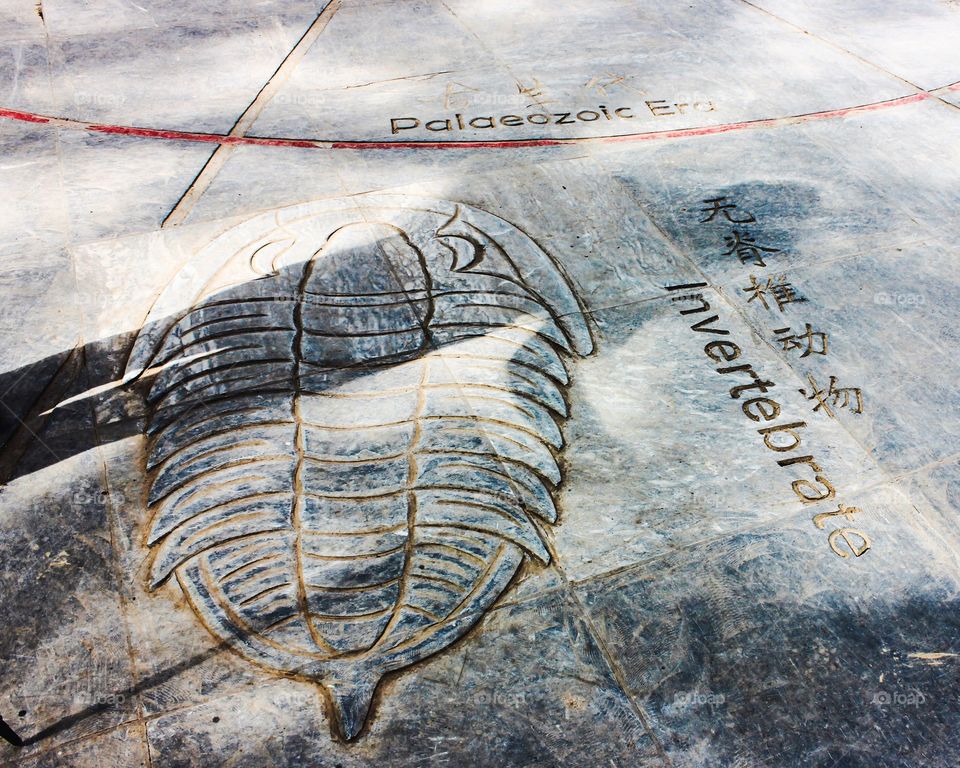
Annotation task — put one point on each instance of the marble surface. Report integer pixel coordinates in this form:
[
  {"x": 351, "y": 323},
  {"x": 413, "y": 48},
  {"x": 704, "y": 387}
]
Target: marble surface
[{"x": 429, "y": 382}]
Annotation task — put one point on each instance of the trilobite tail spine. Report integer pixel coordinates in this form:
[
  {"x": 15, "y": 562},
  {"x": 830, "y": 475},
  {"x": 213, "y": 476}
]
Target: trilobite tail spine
[{"x": 350, "y": 702}]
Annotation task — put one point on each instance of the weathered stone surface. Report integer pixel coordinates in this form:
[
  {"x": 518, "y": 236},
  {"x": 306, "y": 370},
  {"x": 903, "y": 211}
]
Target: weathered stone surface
[
  {"x": 407, "y": 382},
  {"x": 532, "y": 689},
  {"x": 737, "y": 659}
]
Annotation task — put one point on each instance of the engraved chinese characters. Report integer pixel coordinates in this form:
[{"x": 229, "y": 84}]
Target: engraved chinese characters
[{"x": 354, "y": 420}]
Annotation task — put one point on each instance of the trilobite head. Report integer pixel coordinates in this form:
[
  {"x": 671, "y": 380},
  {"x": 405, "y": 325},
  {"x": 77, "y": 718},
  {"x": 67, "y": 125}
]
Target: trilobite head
[
  {"x": 352, "y": 450},
  {"x": 383, "y": 255}
]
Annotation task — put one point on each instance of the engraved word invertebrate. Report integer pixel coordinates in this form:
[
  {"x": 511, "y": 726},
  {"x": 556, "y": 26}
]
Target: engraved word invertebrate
[{"x": 353, "y": 428}]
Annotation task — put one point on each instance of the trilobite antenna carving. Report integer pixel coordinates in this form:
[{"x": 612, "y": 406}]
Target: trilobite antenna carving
[{"x": 351, "y": 427}]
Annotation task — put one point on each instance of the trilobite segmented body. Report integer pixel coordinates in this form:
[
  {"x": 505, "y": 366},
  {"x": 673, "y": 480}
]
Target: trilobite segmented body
[{"x": 353, "y": 424}]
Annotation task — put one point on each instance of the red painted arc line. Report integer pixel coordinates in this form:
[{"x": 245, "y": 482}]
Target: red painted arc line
[{"x": 678, "y": 133}]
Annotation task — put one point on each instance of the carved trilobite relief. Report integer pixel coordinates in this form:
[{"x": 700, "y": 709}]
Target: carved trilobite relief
[{"x": 353, "y": 425}]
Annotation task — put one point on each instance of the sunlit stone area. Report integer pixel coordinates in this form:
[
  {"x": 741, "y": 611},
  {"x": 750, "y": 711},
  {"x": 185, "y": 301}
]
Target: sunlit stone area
[{"x": 476, "y": 383}]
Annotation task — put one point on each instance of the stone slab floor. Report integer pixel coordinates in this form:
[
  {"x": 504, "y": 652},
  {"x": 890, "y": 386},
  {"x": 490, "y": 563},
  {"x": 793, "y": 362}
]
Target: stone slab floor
[{"x": 449, "y": 383}]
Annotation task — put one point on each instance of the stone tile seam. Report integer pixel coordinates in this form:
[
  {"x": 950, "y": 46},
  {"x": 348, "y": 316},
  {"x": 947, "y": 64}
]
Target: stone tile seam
[
  {"x": 219, "y": 157},
  {"x": 615, "y": 670},
  {"x": 851, "y": 54}
]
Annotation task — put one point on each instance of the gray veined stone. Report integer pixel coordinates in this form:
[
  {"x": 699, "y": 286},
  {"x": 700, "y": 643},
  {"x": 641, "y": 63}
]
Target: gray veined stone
[{"x": 354, "y": 419}]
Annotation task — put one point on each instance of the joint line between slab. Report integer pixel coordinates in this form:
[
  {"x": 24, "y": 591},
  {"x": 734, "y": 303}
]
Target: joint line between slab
[{"x": 248, "y": 117}]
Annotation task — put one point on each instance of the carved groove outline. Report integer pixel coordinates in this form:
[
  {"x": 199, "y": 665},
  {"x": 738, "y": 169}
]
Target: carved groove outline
[{"x": 408, "y": 440}]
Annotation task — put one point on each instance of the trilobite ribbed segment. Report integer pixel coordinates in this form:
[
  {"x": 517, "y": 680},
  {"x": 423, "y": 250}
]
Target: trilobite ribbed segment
[{"x": 347, "y": 456}]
